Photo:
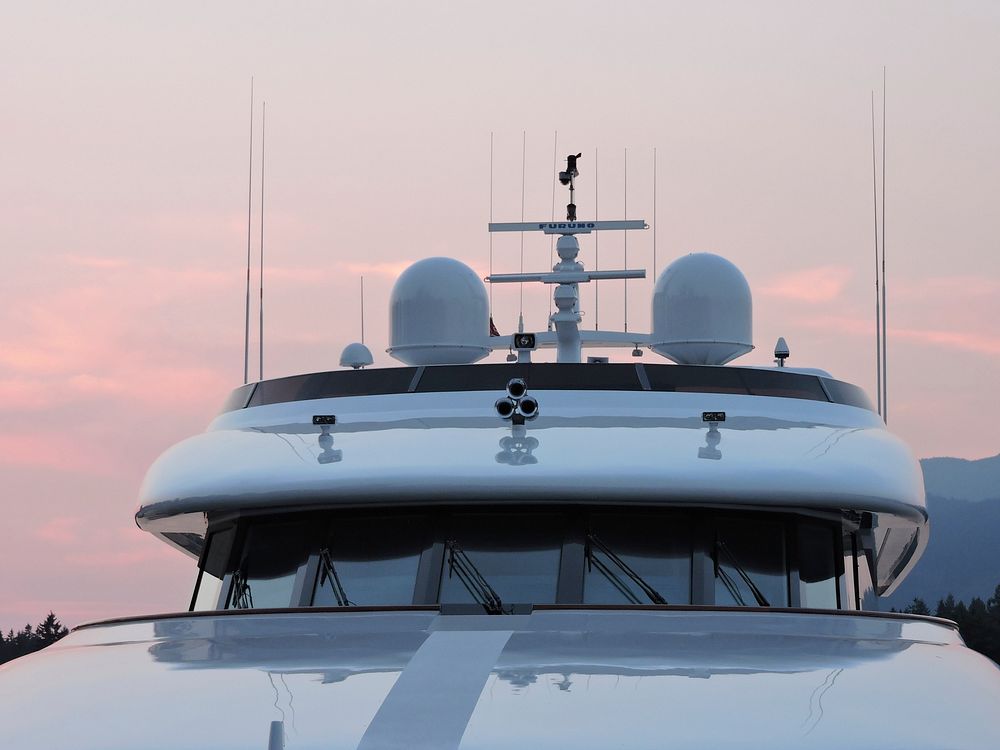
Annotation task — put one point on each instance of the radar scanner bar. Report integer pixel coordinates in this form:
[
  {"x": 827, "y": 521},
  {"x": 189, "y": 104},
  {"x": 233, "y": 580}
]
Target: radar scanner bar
[{"x": 568, "y": 227}]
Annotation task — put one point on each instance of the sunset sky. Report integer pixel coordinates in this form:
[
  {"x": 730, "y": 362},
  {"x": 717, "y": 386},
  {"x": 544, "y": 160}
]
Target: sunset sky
[{"x": 123, "y": 213}]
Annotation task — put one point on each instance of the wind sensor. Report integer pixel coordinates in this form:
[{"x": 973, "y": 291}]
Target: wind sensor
[{"x": 566, "y": 178}]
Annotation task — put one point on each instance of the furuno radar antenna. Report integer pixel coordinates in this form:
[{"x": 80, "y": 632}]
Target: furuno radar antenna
[{"x": 567, "y": 274}]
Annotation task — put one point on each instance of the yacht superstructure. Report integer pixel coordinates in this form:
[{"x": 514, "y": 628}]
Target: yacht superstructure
[{"x": 572, "y": 553}]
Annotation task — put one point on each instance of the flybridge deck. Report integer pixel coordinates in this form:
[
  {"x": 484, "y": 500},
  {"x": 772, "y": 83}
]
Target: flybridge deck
[{"x": 777, "y": 382}]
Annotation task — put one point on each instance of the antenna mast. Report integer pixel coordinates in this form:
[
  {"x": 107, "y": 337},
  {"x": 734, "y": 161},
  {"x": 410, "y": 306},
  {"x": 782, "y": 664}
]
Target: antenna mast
[
  {"x": 246, "y": 328},
  {"x": 567, "y": 275},
  {"x": 885, "y": 334},
  {"x": 878, "y": 305},
  {"x": 263, "y": 119}
]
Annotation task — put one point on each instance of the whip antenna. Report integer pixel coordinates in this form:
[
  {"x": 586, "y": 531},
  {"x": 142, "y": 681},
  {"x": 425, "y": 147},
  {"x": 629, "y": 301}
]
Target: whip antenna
[
  {"x": 885, "y": 334},
  {"x": 263, "y": 118},
  {"x": 491, "y": 221},
  {"x": 878, "y": 305},
  {"x": 552, "y": 239},
  {"x": 520, "y": 309},
  {"x": 597, "y": 252},
  {"x": 246, "y": 328},
  {"x": 625, "y": 190},
  {"x": 362, "y": 309},
  {"x": 654, "y": 215}
]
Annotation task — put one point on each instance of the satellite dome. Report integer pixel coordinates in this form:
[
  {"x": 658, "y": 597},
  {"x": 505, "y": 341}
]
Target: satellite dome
[
  {"x": 356, "y": 355},
  {"x": 438, "y": 314},
  {"x": 702, "y": 311}
]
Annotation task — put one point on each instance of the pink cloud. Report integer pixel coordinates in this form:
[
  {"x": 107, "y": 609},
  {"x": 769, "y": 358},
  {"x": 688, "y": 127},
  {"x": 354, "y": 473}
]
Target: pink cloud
[
  {"x": 387, "y": 269},
  {"x": 813, "y": 285},
  {"x": 60, "y": 450},
  {"x": 59, "y": 530},
  {"x": 963, "y": 340},
  {"x": 969, "y": 341},
  {"x": 95, "y": 262}
]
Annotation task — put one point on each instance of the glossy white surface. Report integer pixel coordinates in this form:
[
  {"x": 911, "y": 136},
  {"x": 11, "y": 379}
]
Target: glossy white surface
[
  {"x": 580, "y": 679},
  {"x": 592, "y": 446},
  {"x": 702, "y": 311},
  {"x": 438, "y": 314}
]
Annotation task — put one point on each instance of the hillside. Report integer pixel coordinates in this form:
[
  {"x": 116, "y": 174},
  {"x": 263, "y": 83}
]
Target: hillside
[{"x": 963, "y": 555}]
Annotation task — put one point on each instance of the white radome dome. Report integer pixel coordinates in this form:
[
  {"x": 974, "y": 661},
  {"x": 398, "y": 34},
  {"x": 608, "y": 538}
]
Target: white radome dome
[
  {"x": 438, "y": 314},
  {"x": 702, "y": 311}
]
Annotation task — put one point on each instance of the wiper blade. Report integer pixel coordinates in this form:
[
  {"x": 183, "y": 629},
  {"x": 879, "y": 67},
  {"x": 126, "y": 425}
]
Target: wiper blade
[
  {"x": 329, "y": 574},
  {"x": 242, "y": 597},
  {"x": 474, "y": 581},
  {"x": 730, "y": 584},
  {"x": 652, "y": 594}
]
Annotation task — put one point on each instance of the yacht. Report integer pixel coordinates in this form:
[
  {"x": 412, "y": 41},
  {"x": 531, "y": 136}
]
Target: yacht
[{"x": 667, "y": 550}]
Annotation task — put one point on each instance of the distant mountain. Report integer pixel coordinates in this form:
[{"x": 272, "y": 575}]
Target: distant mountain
[
  {"x": 963, "y": 555},
  {"x": 961, "y": 479}
]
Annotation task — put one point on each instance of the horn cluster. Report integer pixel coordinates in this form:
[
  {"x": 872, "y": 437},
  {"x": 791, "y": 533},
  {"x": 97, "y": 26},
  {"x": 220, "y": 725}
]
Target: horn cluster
[{"x": 517, "y": 406}]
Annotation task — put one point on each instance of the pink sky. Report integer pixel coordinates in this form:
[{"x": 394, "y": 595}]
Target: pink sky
[{"x": 123, "y": 218}]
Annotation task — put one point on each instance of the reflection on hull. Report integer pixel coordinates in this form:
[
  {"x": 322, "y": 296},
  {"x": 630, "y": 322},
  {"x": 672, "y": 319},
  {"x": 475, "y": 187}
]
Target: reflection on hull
[{"x": 580, "y": 678}]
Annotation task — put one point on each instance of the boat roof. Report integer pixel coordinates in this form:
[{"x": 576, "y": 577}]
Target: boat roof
[{"x": 432, "y": 436}]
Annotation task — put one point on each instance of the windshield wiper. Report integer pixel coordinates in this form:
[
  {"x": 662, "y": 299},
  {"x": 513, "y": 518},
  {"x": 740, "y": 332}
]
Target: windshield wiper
[
  {"x": 460, "y": 564},
  {"x": 592, "y": 541},
  {"x": 730, "y": 584},
  {"x": 242, "y": 597},
  {"x": 329, "y": 573}
]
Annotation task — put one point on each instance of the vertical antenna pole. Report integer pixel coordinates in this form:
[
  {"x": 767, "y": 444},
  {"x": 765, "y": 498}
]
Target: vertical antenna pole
[
  {"x": 246, "y": 327},
  {"x": 878, "y": 304},
  {"x": 626, "y": 237},
  {"x": 520, "y": 309},
  {"x": 362, "y": 309},
  {"x": 263, "y": 120},
  {"x": 597, "y": 251},
  {"x": 491, "y": 221},
  {"x": 885, "y": 334},
  {"x": 552, "y": 239},
  {"x": 654, "y": 215}
]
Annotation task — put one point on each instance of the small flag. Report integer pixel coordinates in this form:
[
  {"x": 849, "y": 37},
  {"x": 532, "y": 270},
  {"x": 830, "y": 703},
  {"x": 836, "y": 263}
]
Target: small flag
[{"x": 493, "y": 328}]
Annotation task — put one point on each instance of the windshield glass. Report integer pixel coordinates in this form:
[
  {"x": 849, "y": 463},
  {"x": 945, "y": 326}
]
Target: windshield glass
[
  {"x": 518, "y": 555},
  {"x": 655, "y": 548},
  {"x": 530, "y": 555},
  {"x": 375, "y": 560}
]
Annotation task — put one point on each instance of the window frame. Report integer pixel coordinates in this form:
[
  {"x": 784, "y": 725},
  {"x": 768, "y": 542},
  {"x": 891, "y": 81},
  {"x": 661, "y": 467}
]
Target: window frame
[{"x": 571, "y": 573}]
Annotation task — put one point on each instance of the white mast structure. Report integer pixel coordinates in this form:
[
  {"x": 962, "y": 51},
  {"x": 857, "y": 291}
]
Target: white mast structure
[{"x": 568, "y": 274}]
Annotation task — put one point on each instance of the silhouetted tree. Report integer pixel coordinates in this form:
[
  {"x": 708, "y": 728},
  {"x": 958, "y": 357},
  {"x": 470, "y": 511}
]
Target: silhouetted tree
[
  {"x": 29, "y": 639},
  {"x": 917, "y": 607}
]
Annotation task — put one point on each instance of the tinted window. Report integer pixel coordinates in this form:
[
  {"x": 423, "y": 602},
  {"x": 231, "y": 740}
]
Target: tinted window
[
  {"x": 749, "y": 558},
  {"x": 271, "y": 559},
  {"x": 784, "y": 385},
  {"x": 369, "y": 561},
  {"x": 818, "y": 568},
  {"x": 632, "y": 558},
  {"x": 517, "y": 555},
  {"x": 214, "y": 565}
]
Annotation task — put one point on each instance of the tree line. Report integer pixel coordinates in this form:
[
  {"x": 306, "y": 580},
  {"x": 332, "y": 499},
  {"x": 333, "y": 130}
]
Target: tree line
[
  {"x": 978, "y": 621},
  {"x": 22, "y": 642}
]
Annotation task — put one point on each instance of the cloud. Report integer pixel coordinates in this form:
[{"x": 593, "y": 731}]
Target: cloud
[
  {"x": 812, "y": 285},
  {"x": 388, "y": 269},
  {"x": 968, "y": 341},
  {"x": 59, "y": 530},
  {"x": 95, "y": 262}
]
